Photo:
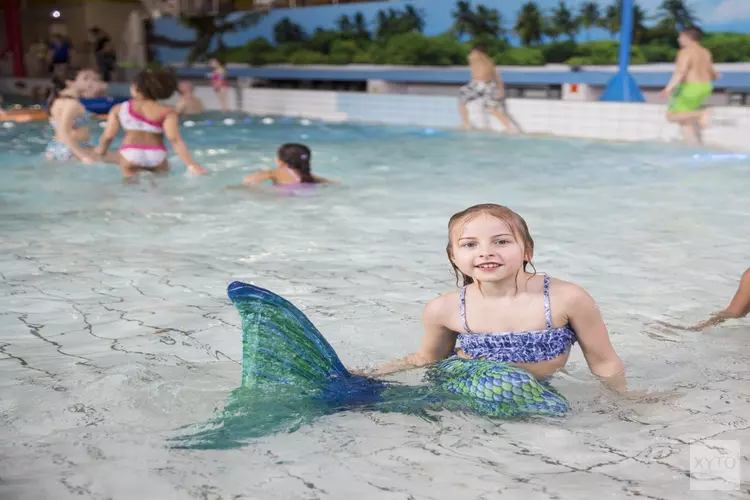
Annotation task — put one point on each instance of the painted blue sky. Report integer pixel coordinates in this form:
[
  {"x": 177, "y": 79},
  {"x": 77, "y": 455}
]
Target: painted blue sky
[{"x": 713, "y": 15}]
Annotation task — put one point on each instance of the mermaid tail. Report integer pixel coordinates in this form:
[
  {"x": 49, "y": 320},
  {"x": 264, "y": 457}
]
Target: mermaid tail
[{"x": 291, "y": 375}]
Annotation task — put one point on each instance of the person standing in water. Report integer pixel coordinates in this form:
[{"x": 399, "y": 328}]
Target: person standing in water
[
  {"x": 691, "y": 84},
  {"x": 146, "y": 123},
  {"x": 70, "y": 119},
  {"x": 487, "y": 86},
  {"x": 219, "y": 82}
]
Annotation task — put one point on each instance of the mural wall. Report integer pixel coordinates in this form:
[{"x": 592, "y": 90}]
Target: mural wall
[{"x": 439, "y": 32}]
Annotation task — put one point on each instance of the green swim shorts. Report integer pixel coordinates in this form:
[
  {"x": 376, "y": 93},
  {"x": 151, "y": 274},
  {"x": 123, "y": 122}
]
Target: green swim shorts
[{"x": 689, "y": 96}]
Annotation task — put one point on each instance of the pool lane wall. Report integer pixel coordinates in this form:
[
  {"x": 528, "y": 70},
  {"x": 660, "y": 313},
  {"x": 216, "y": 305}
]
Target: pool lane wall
[{"x": 612, "y": 121}]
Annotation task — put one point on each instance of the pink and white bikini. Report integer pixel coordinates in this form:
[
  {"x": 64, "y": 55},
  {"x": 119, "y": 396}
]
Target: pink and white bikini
[
  {"x": 219, "y": 81},
  {"x": 142, "y": 155}
]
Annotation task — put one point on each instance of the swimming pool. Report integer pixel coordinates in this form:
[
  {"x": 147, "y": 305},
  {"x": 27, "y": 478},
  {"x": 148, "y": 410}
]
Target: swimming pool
[{"x": 116, "y": 329}]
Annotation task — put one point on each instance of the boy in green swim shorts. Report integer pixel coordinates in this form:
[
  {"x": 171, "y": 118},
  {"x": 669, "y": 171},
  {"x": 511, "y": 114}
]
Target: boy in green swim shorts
[{"x": 690, "y": 85}]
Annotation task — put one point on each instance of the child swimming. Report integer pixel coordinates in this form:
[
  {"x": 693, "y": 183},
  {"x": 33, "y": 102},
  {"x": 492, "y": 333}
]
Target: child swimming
[
  {"x": 146, "y": 122},
  {"x": 219, "y": 82},
  {"x": 292, "y": 168},
  {"x": 504, "y": 313}
]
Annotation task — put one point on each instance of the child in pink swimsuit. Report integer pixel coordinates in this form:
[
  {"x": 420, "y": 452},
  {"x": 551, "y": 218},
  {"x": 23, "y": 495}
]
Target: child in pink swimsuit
[
  {"x": 219, "y": 82},
  {"x": 146, "y": 122}
]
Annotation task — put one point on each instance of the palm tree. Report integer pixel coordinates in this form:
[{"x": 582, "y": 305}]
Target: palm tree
[
  {"x": 392, "y": 22},
  {"x": 589, "y": 17},
  {"x": 462, "y": 19},
  {"x": 360, "y": 26},
  {"x": 412, "y": 19},
  {"x": 610, "y": 21},
  {"x": 679, "y": 12},
  {"x": 550, "y": 29},
  {"x": 613, "y": 15},
  {"x": 345, "y": 25},
  {"x": 529, "y": 24},
  {"x": 563, "y": 19},
  {"x": 207, "y": 28},
  {"x": 287, "y": 31},
  {"x": 487, "y": 22}
]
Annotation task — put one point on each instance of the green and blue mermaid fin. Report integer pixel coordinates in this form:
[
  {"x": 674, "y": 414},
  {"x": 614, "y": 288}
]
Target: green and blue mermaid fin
[{"x": 291, "y": 375}]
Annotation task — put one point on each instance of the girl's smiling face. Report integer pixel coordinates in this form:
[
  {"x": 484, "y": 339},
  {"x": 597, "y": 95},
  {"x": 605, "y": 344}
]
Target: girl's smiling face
[{"x": 487, "y": 249}]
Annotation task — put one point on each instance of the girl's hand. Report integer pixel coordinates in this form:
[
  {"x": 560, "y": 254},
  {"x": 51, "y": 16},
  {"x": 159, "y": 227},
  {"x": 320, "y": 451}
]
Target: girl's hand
[{"x": 197, "y": 170}]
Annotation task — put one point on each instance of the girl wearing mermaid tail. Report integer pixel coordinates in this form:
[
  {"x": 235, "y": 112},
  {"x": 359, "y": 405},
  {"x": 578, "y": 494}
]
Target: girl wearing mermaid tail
[{"x": 503, "y": 312}]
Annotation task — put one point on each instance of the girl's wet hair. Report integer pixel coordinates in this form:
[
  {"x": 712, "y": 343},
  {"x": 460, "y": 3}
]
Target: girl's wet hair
[
  {"x": 156, "y": 85},
  {"x": 514, "y": 221},
  {"x": 297, "y": 157}
]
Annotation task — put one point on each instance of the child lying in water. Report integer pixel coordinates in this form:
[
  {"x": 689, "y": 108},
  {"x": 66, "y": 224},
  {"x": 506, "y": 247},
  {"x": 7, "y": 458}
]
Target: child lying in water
[
  {"x": 504, "y": 313},
  {"x": 292, "y": 168}
]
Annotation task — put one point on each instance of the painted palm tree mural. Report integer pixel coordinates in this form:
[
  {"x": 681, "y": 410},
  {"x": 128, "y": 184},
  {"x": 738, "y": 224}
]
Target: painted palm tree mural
[
  {"x": 678, "y": 12},
  {"x": 589, "y": 17},
  {"x": 564, "y": 21},
  {"x": 564, "y": 31},
  {"x": 612, "y": 15},
  {"x": 484, "y": 22},
  {"x": 393, "y": 22},
  {"x": 207, "y": 28},
  {"x": 529, "y": 24}
]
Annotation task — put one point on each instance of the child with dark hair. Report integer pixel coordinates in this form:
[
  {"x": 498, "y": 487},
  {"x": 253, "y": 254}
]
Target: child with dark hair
[
  {"x": 292, "y": 168},
  {"x": 146, "y": 122},
  {"x": 70, "y": 119}
]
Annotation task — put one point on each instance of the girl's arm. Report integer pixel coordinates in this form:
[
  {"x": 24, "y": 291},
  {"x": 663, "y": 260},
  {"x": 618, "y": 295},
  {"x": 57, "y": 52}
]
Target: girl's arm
[
  {"x": 258, "y": 177},
  {"x": 437, "y": 342},
  {"x": 172, "y": 130},
  {"x": 67, "y": 120},
  {"x": 739, "y": 307},
  {"x": 592, "y": 334},
  {"x": 110, "y": 131}
]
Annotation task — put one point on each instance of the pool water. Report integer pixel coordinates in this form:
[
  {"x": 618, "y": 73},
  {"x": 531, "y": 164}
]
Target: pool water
[{"x": 116, "y": 331}]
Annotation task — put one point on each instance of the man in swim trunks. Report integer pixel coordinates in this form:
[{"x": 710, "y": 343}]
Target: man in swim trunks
[
  {"x": 691, "y": 85},
  {"x": 487, "y": 86}
]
